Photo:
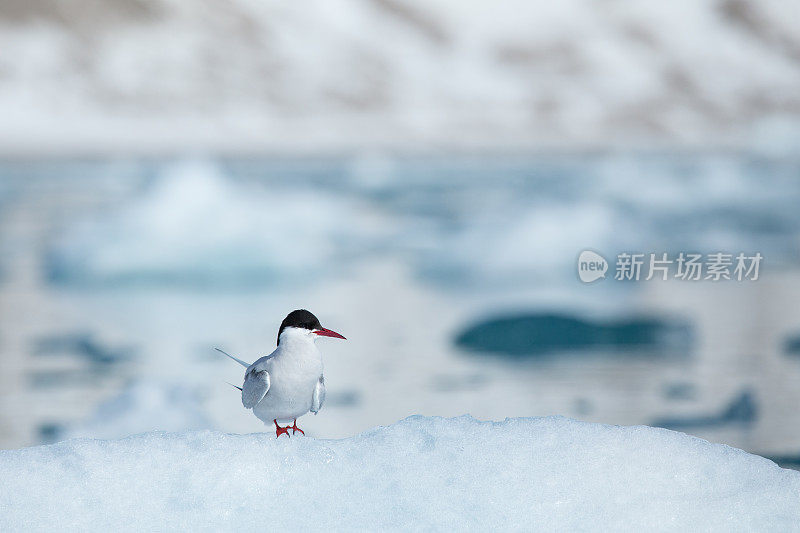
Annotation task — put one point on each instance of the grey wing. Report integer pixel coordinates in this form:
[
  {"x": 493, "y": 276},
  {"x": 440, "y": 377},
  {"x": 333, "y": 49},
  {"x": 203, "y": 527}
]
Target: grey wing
[
  {"x": 256, "y": 385},
  {"x": 319, "y": 396}
]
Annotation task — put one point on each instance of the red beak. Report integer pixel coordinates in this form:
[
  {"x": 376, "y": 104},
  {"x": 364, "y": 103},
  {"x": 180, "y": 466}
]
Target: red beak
[{"x": 328, "y": 333}]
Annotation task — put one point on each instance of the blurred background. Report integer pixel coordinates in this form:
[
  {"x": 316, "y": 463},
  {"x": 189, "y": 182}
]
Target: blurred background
[{"x": 179, "y": 175}]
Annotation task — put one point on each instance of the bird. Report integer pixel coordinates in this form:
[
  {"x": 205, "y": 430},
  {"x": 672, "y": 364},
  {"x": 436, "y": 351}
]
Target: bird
[{"x": 287, "y": 383}]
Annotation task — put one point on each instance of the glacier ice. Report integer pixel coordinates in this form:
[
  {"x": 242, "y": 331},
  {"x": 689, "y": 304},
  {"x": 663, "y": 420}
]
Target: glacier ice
[{"x": 420, "y": 473}]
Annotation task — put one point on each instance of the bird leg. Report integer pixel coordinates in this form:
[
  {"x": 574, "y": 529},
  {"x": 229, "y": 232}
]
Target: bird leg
[
  {"x": 295, "y": 429},
  {"x": 281, "y": 431}
]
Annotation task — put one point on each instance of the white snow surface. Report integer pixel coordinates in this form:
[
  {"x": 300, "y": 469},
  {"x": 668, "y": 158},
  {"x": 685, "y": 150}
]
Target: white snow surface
[
  {"x": 173, "y": 74},
  {"x": 421, "y": 473}
]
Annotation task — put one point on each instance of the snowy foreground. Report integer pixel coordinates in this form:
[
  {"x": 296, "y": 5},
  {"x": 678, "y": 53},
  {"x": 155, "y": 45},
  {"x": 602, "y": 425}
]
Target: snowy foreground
[{"x": 420, "y": 473}]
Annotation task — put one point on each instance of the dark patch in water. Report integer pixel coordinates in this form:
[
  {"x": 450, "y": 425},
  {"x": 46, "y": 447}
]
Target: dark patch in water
[
  {"x": 348, "y": 398},
  {"x": 470, "y": 382},
  {"x": 680, "y": 391},
  {"x": 44, "y": 379},
  {"x": 792, "y": 345},
  {"x": 785, "y": 461},
  {"x": 545, "y": 333},
  {"x": 583, "y": 406},
  {"x": 742, "y": 410},
  {"x": 49, "y": 432},
  {"x": 83, "y": 345}
]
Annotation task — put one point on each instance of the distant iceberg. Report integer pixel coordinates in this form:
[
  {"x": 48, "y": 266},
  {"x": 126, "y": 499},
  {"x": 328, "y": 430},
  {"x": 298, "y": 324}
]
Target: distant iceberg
[
  {"x": 418, "y": 474},
  {"x": 195, "y": 227},
  {"x": 244, "y": 224}
]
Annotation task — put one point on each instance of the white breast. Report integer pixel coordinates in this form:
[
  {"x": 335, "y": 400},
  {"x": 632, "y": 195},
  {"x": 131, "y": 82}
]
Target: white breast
[{"x": 294, "y": 369}]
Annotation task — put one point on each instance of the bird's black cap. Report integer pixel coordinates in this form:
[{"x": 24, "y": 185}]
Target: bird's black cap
[{"x": 299, "y": 318}]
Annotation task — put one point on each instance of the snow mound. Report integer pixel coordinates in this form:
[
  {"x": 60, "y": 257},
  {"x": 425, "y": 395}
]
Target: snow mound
[{"x": 420, "y": 473}]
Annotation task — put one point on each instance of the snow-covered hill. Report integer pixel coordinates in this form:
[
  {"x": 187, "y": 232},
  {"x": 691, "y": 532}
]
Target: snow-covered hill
[
  {"x": 419, "y": 474},
  {"x": 173, "y": 74}
]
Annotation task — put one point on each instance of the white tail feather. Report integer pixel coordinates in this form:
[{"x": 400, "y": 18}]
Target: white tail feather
[{"x": 235, "y": 359}]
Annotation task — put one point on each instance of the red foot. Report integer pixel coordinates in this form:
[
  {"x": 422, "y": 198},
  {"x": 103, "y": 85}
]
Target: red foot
[
  {"x": 279, "y": 430},
  {"x": 295, "y": 429}
]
